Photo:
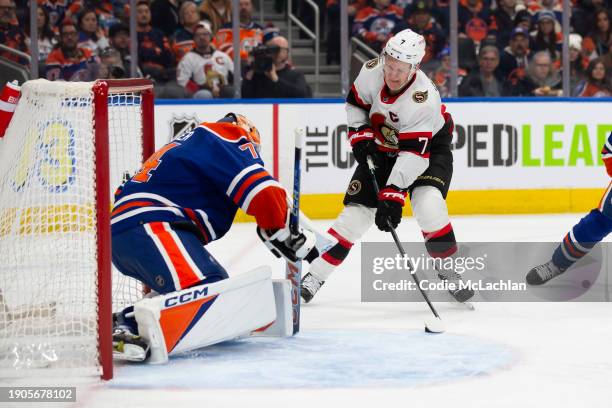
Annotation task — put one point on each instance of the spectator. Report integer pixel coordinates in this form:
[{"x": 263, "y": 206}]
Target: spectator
[
  {"x": 583, "y": 14},
  {"x": 375, "y": 25},
  {"x": 11, "y": 34},
  {"x": 91, "y": 35},
  {"x": 59, "y": 11},
  {"x": 189, "y": 18},
  {"x": 154, "y": 53},
  {"x": 217, "y": 13},
  {"x": 107, "y": 12},
  {"x": 442, "y": 73},
  {"x": 473, "y": 19},
  {"x": 483, "y": 81},
  {"x": 546, "y": 80},
  {"x": 523, "y": 19},
  {"x": 578, "y": 63},
  {"x": 548, "y": 6},
  {"x": 597, "y": 84},
  {"x": 280, "y": 80},
  {"x": 111, "y": 65},
  {"x": 46, "y": 37},
  {"x": 545, "y": 38},
  {"x": 418, "y": 18},
  {"x": 502, "y": 22},
  {"x": 165, "y": 16},
  {"x": 119, "y": 39},
  {"x": 205, "y": 72},
  {"x": 333, "y": 26},
  {"x": 598, "y": 42},
  {"x": 67, "y": 61},
  {"x": 155, "y": 56},
  {"x": 251, "y": 33},
  {"x": 514, "y": 55}
]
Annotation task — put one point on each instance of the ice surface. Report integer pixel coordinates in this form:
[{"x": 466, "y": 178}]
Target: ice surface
[{"x": 352, "y": 354}]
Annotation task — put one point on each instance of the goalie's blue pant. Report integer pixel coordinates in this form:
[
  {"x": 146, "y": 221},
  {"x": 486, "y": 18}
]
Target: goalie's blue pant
[{"x": 164, "y": 258}]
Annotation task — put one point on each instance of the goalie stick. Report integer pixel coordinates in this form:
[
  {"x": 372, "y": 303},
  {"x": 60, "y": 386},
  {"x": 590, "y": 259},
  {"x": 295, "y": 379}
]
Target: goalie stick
[
  {"x": 293, "y": 270},
  {"x": 434, "y": 325}
]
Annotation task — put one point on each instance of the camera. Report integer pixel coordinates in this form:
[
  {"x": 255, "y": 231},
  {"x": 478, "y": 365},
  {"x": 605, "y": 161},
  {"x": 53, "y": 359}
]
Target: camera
[{"x": 263, "y": 58}]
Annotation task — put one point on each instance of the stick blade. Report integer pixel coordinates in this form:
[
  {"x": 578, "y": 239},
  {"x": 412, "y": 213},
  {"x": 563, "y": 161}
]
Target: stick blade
[{"x": 434, "y": 325}]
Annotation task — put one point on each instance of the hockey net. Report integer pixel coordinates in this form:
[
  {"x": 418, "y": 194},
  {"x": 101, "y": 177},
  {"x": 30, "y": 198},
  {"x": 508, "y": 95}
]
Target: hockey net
[{"x": 68, "y": 147}]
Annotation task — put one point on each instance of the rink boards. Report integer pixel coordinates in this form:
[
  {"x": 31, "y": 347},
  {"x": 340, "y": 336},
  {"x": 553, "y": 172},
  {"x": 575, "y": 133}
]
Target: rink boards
[{"x": 510, "y": 156}]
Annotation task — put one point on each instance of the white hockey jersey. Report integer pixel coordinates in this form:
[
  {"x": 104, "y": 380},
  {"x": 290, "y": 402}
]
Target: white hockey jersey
[
  {"x": 403, "y": 123},
  {"x": 210, "y": 69}
]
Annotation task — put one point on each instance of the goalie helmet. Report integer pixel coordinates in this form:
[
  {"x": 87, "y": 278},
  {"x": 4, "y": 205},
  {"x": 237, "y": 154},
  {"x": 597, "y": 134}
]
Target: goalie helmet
[
  {"x": 242, "y": 121},
  {"x": 406, "y": 46}
]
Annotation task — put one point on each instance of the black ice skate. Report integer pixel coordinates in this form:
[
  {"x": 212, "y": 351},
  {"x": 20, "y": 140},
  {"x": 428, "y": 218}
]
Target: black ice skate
[
  {"x": 543, "y": 273},
  {"x": 309, "y": 287},
  {"x": 128, "y": 346},
  {"x": 458, "y": 293}
]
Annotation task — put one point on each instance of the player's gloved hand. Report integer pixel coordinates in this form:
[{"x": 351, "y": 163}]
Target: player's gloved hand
[
  {"x": 293, "y": 247},
  {"x": 363, "y": 144},
  {"x": 390, "y": 203}
]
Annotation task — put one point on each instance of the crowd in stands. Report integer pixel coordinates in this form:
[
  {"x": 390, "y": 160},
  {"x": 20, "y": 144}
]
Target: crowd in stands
[
  {"x": 185, "y": 47},
  {"x": 506, "y": 47}
]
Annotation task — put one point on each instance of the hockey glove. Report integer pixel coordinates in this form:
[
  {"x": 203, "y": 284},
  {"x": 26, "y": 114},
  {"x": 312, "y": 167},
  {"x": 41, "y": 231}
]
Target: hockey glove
[
  {"x": 363, "y": 144},
  {"x": 390, "y": 203},
  {"x": 291, "y": 247}
]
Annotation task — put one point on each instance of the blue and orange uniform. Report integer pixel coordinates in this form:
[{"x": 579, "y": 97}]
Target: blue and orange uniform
[
  {"x": 593, "y": 227},
  {"x": 185, "y": 196}
]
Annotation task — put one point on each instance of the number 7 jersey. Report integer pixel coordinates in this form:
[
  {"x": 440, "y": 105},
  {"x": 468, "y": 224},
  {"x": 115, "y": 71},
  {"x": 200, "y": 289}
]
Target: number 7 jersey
[
  {"x": 404, "y": 123},
  {"x": 202, "y": 177}
]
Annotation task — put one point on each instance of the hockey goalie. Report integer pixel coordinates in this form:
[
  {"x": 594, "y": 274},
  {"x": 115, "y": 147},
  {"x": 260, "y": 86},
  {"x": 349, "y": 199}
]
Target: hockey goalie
[{"x": 185, "y": 196}]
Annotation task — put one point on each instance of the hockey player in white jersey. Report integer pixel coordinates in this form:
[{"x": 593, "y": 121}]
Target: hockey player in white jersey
[{"x": 396, "y": 116}]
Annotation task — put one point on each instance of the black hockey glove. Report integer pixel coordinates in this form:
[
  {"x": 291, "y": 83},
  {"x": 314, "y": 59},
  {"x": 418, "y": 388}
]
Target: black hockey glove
[
  {"x": 390, "y": 203},
  {"x": 363, "y": 144}
]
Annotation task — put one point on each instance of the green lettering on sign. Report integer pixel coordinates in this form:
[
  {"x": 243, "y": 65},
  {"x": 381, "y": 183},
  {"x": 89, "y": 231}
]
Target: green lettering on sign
[
  {"x": 581, "y": 146},
  {"x": 550, "y": 145},
  {"x": 602, "y": 135},
  {"x": 527, "y": 160}
]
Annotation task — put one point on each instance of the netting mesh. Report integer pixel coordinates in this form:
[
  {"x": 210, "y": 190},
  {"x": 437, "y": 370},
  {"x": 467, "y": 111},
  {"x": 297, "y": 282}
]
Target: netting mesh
[{"x": 48, "y": 252}]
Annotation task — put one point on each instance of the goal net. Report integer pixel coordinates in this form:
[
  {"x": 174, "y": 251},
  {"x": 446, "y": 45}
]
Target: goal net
[{"x": 68, "y": 147}]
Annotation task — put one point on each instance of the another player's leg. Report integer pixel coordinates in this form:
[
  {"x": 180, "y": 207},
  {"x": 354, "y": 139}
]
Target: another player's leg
[
  {"x": 166, "y": 259},
  {"x": 583, "y": 236},
  {"x": 431, "y": 213},
  {"x": 356, "y": 218},
  {"x": 349, "y": 227}
]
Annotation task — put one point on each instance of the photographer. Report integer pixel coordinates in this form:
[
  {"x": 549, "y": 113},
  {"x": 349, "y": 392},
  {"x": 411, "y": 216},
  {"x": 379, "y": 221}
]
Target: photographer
[{"x": 271, "y": 76}]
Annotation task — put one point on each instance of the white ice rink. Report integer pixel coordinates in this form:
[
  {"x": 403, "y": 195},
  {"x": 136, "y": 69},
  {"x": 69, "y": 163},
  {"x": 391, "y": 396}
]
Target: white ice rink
[{"x": 353, "y": 354}]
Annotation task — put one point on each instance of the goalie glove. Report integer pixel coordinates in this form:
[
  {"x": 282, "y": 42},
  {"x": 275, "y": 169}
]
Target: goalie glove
[{"x": 291, "y": 247}]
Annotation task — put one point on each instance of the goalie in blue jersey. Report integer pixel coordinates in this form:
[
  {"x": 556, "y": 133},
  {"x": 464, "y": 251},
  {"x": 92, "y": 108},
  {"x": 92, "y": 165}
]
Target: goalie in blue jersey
[
  {"x": 185, "y": 196},
  {"x": 590, "y": 230}
]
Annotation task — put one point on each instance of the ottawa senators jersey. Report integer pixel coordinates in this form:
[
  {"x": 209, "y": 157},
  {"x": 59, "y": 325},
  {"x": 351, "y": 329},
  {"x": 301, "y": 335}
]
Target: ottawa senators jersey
[
  {"x": 202, "y": 177},
  {"x": 403, "y": 122}
]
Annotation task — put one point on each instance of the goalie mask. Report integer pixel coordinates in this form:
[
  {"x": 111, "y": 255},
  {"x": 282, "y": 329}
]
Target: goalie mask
[{"x": 242, "y": 121}]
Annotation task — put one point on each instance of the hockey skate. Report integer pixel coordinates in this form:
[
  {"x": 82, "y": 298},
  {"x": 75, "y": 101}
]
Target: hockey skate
[
  {"x": 458, "y": 293},
  {"x": 543, "y": 273},
  {"x": 128, "y": 346},
  {"x": 309, "y": 287}
]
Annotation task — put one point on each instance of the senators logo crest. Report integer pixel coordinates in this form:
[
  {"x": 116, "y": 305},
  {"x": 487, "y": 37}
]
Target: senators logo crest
[
  {"x": 385, "y": 132},
  {"x": 371, "y": 63},
  {"x": 420, "y": 96},
  {"x": 354, "y": 187}
]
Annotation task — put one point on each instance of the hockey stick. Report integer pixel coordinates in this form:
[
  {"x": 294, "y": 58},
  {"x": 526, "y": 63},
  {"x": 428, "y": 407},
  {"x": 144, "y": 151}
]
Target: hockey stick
[
  {"x": 433, "y": 325},
  {"x": 293, "y": 270}
]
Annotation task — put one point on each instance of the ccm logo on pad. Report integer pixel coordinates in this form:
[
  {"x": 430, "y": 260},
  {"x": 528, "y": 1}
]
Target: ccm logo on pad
[{"x": 186, "y": 297}]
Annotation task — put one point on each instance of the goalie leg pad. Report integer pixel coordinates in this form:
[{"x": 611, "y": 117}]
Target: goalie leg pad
[
  {"x": 207, "y": 314},
  {"x": 283, "y": 325}
]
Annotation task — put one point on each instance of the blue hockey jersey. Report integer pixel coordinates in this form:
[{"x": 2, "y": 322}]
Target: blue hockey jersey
[{"x": 202, "y": 177}]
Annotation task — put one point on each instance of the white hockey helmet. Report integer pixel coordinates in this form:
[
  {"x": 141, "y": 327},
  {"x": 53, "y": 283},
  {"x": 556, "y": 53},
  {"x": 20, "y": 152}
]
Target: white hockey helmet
[{"x": 406, "y": 46}]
